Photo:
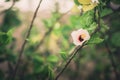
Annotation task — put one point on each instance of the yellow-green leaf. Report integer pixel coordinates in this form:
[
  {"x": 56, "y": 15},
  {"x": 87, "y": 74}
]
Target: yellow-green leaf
[{"x": 84, "y": 1}]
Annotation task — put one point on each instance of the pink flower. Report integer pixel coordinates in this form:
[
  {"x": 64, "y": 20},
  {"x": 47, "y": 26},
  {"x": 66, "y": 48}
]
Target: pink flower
[{"x": 80, "y": 36}]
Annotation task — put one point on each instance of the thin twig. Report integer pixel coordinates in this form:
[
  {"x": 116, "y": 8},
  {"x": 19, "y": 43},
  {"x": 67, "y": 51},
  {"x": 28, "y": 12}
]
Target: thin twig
[
  {"x": 77, "y": 65},
  {"x": 111, "y": 54},
  {"x": 98, "y": 22},
  {"x": 25, "y": 41},
  {"x": 13, "y": 3},
  {"x": 44, "y": 37},
  {"x": 112, "y": 61},
  {"x": 74, "y": 53}
]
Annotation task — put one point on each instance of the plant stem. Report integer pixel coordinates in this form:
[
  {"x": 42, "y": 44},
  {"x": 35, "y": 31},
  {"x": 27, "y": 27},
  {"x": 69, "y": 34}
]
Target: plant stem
[
  {"x": 80, "y": 47},
  {"x": 112, "y": 61},
  {"x": 70, "y": 59},
  {"x": 48, "y": 32},
  {"x": 98, "y": 22},
  {"x": 25, "y": 41}
]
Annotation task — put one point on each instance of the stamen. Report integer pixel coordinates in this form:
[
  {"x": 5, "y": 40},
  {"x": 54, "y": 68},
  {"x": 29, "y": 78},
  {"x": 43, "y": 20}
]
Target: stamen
[{"x": 80, "y": 39}]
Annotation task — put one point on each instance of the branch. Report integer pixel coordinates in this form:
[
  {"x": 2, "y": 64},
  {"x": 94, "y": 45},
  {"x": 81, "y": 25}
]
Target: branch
[
  {"x": 13, "y": 3},
  {"x": 112, "y": 61},
  {"x": 111, "y": 54},
  {"x": 98, "y": 21},
  {"x": 49, "y": 31},
  {"x": 74, "y": 53},
  {"x": 24, "y": 43}
]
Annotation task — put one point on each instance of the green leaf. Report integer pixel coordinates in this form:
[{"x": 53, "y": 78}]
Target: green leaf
[
  {"x": 105, "y": 12},
  {"x": 92, "y": 27},
  {"x": 95, "y": 39},
  {"x": 11, "y": 57},
  {"x": 38, "y": 63},
  {"x": 52, "y": 58},
  {"x": 10, "y": 32},
  {"x": 11, "y": 19},
  {"x": 48, "y": 23},
  {"x": 52, "y": 20},
  {"x": 5, "y": 38},
  {"x": 2, "y": 75},
  {"x": 50, "y": 73},
  {"x": 115, "y": 40},
  {"x": 83, "y": 21},
  {"x": 76, "y": 2},
  {"x": 38, "y": 59},
  {"x": 63, "y": 55}
]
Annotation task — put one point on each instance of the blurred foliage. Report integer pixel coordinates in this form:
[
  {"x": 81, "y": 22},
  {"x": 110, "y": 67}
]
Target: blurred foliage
[
  {"x": 11, "y": 19},
  {"x": 93, "y": 61}
]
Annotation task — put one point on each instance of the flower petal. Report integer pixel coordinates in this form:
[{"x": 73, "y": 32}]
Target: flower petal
[{"x": 80, "y": 33}]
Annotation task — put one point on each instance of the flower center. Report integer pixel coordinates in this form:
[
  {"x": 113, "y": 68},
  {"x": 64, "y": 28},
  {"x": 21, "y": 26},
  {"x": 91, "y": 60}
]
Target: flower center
[{"x": 80, "y": 38}]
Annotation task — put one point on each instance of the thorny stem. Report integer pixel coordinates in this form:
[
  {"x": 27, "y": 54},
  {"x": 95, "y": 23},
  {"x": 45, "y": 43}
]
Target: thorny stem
[
  {"x": 78, "y": 48},
  {"x": 112, "y": 61},
  {"x": 13, "y": 3},
  {"x": 25, "y": 41}
]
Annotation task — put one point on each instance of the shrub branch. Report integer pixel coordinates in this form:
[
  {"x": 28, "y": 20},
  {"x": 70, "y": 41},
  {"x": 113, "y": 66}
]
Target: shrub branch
[
  {"x": 110, "y": 54},
  {"x": 78, "y": 48},
  {"x": 25, "y": 41},
  {"x": 48, "y": 32}
]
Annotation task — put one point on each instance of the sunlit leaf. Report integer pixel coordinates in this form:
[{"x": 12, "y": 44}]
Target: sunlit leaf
[
  {"x": 63, "y": 55},
  {"x": 52, "y": 58},
  {"x": 92, "y": 27},
  {"x": 75, "y": 9},
  {"x": 89, "y": 7},
  {"x": 5, "y": 38},
  {"x": 50, "y": 73},
  {"x": 76, "y": 2},
  {"x": 105, "y": 12},
  {"x": 95, "y": 40},
  {"x": 84, "y": 1}
]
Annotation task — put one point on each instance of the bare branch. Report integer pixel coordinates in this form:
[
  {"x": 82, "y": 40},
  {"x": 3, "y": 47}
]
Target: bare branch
[{"x": 25, "y": 41}]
